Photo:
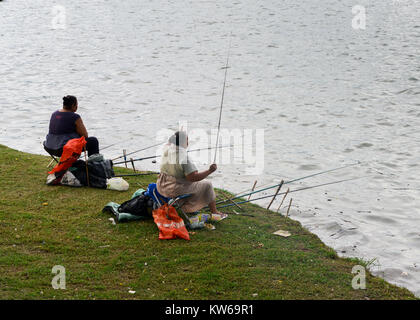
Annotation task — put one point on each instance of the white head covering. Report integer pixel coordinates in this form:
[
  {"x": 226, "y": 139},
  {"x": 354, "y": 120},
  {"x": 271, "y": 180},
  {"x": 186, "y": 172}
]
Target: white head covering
[
  {"x": 174, "y": 160},
  {"x": 179, "y": 138}
]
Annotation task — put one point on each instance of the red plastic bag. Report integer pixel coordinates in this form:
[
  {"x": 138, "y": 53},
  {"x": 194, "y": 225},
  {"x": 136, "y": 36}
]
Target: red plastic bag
[
  {"x": 71, "y": 152},
  {"x": 170, "y": 224}
]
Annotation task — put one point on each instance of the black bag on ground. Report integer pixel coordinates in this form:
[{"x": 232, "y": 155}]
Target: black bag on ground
[
  {"x": 99, "y": 172},
  {"x": 141, "y": 205}
]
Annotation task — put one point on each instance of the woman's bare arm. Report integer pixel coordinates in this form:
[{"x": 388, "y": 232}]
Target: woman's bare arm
[
  {"x": 198, "y": 176},
  {"x": 80, "y": 128}
]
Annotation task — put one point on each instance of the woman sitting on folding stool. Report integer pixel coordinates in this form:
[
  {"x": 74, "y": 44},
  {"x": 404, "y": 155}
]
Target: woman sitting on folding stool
[
  {"x": 66, "y": 124},
  {"x": 178, "y": 176}
]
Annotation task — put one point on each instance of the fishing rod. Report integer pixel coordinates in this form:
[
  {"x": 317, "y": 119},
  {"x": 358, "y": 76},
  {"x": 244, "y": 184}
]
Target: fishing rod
[
  {"x": 223, "y": 95},
  {"x": 149, "y": 147},
  {"x": 136, "y": 174},
  {"x": 290, "y": 181},
  {"x": 152, "y": 157},
  {"x": 138, "y": 159},
  {"x": 248, "y": 190},
  {"x": 296, "y": 190},
  {"x": 111, "y": 145},
  {"x": 239, "y": 194}
]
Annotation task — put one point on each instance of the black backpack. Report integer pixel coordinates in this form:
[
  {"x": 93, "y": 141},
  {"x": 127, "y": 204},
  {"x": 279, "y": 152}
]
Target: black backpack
[{"x": 140, "y": 205}]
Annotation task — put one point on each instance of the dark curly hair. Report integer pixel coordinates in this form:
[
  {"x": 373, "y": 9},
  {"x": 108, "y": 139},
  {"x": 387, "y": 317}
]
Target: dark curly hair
[{"x": 69, "y": 102}]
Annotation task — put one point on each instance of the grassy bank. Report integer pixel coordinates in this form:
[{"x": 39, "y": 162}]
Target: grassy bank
[{"x": 42, "y": 226}]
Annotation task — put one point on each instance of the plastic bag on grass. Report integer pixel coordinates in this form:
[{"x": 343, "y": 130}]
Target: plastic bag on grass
[
  {"x": 117, "y": 183},
  {"x": 170, "y": 224}
]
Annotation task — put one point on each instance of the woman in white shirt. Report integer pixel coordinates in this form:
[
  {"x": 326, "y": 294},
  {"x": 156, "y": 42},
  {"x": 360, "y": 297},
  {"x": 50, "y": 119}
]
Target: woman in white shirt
[{"x": 178, "y": 175}]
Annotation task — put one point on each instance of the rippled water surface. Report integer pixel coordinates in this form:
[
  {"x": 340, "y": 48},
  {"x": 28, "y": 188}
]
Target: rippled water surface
[{"x": 325, "y": 94}]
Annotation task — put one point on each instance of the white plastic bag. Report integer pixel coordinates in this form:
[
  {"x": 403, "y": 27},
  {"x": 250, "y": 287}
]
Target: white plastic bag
[
  {"x": 51, "y": 178},
  {"x": 69, "y": 179},
  {"x": 117, "y": 183}
]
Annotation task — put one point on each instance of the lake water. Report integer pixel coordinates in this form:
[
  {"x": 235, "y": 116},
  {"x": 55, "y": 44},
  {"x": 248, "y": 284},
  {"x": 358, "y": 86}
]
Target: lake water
[{"x": 325, "y": 94}]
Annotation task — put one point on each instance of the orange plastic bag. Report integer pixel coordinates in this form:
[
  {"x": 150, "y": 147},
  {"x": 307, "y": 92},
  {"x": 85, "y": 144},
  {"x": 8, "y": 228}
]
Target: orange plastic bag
[
  {"x": 71, "y": 152},
  {"x": 170, "y": 224}
]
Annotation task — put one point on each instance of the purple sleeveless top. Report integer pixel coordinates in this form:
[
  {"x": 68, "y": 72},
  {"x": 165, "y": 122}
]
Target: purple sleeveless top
[{"x": 62, "y": 129}]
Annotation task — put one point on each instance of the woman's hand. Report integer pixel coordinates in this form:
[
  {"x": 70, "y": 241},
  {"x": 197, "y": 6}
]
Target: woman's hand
[{"x": 213, "y": 168}]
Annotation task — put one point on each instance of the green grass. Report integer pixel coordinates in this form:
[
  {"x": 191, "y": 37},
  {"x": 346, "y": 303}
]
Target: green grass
[{"x": 42, "y": 226}]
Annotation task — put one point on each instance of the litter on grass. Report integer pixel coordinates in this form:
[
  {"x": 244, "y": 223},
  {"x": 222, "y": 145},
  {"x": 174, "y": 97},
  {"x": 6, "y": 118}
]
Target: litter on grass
[
  {"x": 209, "y": 226},
  {"x": 282, "y": 233}
]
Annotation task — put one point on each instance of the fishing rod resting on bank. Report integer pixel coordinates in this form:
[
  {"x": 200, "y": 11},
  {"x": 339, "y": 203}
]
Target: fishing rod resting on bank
[
  {"x": 290, "y": 181},
  {"x": 157, "y": 156},
  {"x": 136, "y": 174},
  {"x": 291, "y": 191},
  {"x": 146, "y": 148}
]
